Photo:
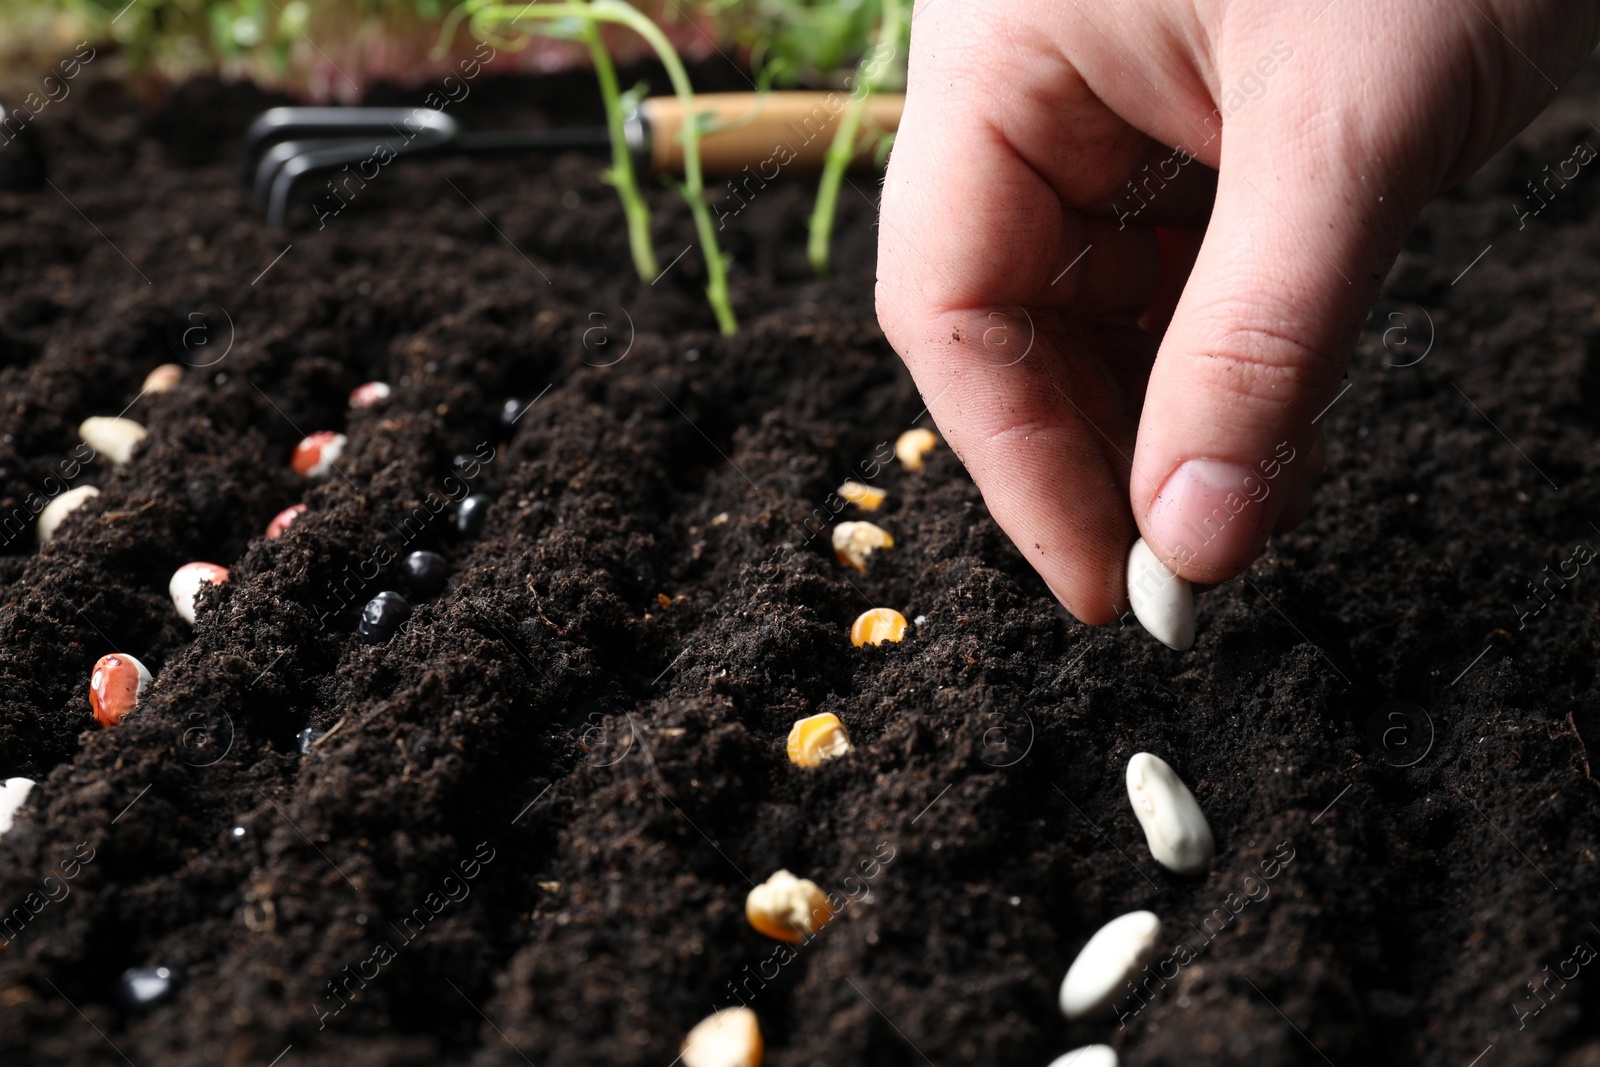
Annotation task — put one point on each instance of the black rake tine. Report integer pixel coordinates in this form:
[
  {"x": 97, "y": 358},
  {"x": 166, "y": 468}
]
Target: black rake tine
[
  {"x": 330, "y": 123},
  {"x": 279, "y": 155}
]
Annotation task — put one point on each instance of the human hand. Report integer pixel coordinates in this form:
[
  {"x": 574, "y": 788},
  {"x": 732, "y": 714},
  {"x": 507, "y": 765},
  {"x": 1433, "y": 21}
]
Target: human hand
[{"x": 1170, "y": 376}]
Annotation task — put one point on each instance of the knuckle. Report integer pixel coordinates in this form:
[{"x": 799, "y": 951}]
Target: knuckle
[{"x": 1263, "y": 364}]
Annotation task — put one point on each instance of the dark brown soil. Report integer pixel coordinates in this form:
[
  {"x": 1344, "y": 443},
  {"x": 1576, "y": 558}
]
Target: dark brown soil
[{"x": 591, "y": 722}]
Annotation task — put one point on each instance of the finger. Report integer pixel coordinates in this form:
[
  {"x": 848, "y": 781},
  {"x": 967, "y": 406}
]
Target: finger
[
  {"x": 971, "y": 229},
  {"x": 1303, "y": 229}
]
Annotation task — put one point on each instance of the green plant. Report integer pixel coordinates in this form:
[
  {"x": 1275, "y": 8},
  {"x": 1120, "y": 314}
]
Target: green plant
[
  {"x": 620, "y": 175},
  {"x": 875, "y": 70},
  {"x": 486, "y": 18}
]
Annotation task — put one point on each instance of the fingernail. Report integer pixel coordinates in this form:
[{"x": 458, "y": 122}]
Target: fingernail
[{"x": 1210, "y": 514}]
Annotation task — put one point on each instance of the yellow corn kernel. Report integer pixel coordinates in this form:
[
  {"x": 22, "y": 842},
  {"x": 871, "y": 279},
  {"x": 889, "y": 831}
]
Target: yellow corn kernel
[
  {"x": 787, "y": 908},
  {"x": 877, "y": 626},
  {"x": 911, "y": 446},
  {"x": 865, "y": 497},
  {"x": 853, "y": 542},
  {"x": 727, "y": 1038},
  {"x": 817, "y": 738}
]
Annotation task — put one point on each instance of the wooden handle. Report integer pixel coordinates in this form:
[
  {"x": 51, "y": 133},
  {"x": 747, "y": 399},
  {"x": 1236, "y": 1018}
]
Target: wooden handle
[{"x": 788, "y": 131}]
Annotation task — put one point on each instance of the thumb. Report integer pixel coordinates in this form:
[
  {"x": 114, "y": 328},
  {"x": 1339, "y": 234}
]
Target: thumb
[{"x": 1301, "y": 234}]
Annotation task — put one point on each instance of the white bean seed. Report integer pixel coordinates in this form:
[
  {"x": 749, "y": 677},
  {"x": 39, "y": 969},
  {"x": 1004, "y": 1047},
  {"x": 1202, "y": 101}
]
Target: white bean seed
[
  {"x": 1163, "y": 602},
  {"x": 12, "y": 794},
  {"x": 112, "y": 437},
  {"x": 1174, "y": 826},
  {"x": 727, "y": 1038},
  {"x": 51, "y": 517},
  {"x": 1112, "y": 956},
  {"x": 1087, "y": 1056}
]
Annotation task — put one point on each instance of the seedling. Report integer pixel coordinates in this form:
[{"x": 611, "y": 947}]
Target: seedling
[
  {"x": 873, "y": 73},
  {"x": 580, "y": 21}
]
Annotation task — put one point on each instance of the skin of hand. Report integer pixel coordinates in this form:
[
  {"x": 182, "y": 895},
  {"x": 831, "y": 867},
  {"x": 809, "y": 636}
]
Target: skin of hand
[{"x": 1126, "y": 248}]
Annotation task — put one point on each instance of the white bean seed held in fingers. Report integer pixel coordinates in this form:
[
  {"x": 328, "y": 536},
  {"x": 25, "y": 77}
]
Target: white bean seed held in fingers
[
  {"x": 57, "y": 510},
  {"x": 1174, "y": 826},
  {"x": 12, "y": 794},
  {"x": 1112, "y": 956},
  {"x": 186, "y": 583},
  {"x": 1162, "y": 602},
  {"x": 1087, "y": 1056},
  {"x": 727, "y": 1038},
  {"x": 113, "y": 438}
]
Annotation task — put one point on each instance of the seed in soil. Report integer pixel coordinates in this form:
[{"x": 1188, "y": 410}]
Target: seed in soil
[
  {"x": 865, "y": 497},
  {"x": 115, "y": 686},
  {"x": 911, "y": 446},
  {"x": 853, "y": 542},
  {"x": 186, "y": 583},
  {"x": 426, "y": 573},
  {"x": 368, "y": 394},
  {"x": 382, "y": 616},
  {"x": 13, "y": 793},
  {"x": 112, "y": 437},
  {"x": 164, "y": 379},
  {"x": 727, "y": 1038},
  {"x": 51, "y": 517},
  {"x": 284, "y": 519},
  {"x": 307, "y": 738},
  {"x": 817, "y": 738},
  {"x": 787, "y": 908},
  {"x": 510, "y": 411},
  {"x": 1087, "y": 1056},
  {"x": 470, "y": 515},
  {"x": 142, "y": 988},
  {"x": 1112, "y": 956},
  {"x": 877, "y": 626},
  {"x": 1162, "y": 602},
  {"x": 1174, "y": 826},
  {"x": 315, "y": 456}
]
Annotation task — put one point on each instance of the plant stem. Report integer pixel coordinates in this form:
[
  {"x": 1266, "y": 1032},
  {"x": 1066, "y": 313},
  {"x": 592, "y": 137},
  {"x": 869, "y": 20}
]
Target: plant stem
[
  {"x": 620, "y": 176},
  {"x": 843, "y": 147},
  {"x": 616, "y": 11}
]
